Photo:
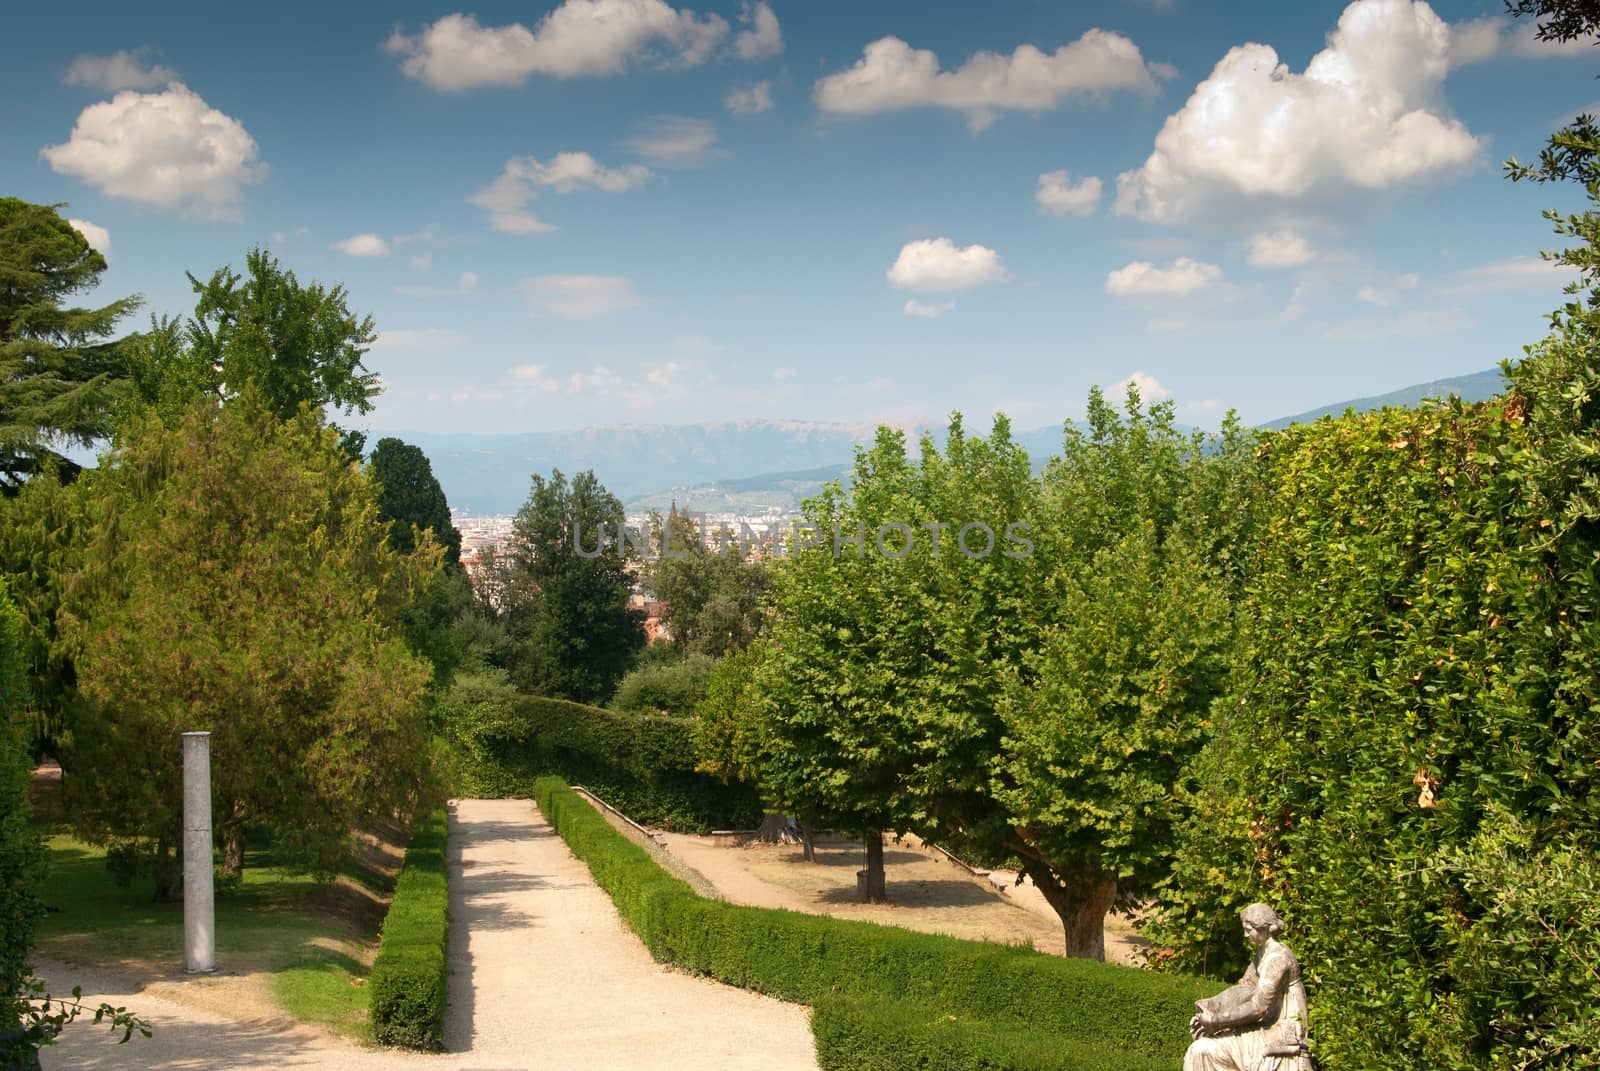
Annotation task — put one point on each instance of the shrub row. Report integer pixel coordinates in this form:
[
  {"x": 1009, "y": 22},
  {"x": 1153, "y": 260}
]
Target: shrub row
[
  {"x": 1069, "y": 1014},
  {"x": 644, "y": 764},
  {"x": 408, "y": 978},
  {"x": 898, "y": 1035}
]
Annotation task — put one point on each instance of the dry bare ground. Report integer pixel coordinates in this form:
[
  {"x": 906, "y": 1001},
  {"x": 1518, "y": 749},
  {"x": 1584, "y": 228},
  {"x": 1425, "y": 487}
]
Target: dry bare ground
[{"x": 927, "y": 891}]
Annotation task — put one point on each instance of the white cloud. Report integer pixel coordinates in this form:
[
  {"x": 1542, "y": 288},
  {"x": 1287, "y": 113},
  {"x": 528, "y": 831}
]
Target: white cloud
[
  {"x": 1296, "y": 307},
  {"x": 280, "y": 237},
  {"x": 507, "y": 197},
  {"x": 783, "y": 374},
  {"x": 168, "y": 149},
  {"x": 1148, "y": 386},
  {"x": 1058, "y": 196},
  {"x": 1386, "y": 296},
  {"x": 764, "y": 38},
  {"x": 1421, "y": 323},
  {"x": 533, "y": 377},
  {"x": 1366, "y": 114},
  {"x": 598, "y": 380},
  {"x": 98, "y": 237},
  {"x": 1205, "y": 405},
  {"x": 1279, "y": 249},
  {"x": 675, "y": 139},
  {"x": 413, "y": 340},
  {"x": 1513, "y": 273},
  {"x": 930, "y": 310},
  {"x": 1180, "y": 278},
  {"x": 579, "y": 38},
  {"x": 420, "y": 261},
  {"x": 362, "y": 245},
  {"x": 578, "y": 295},
  {"x": 1490, "y": 36},
  {"x": 892, "y": 75},
  {"x": 937, "y": 264},
  {"x": 749, "y": 100},
  {"x": 466, "y": 283},
  {"x": 118, "y": 71}
]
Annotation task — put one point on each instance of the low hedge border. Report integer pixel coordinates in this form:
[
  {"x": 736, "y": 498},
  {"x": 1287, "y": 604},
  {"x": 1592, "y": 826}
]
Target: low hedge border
[
  {"x": 1115, "y": 1018},
  {"x": 410, "y": 975}
]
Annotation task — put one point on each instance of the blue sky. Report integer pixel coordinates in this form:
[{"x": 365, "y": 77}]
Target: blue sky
[{"x": 631, "y": 211}]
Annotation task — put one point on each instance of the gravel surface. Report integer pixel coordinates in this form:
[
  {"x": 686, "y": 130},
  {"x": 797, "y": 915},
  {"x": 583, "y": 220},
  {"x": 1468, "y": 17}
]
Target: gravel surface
[{"x": 543, "y": 975}]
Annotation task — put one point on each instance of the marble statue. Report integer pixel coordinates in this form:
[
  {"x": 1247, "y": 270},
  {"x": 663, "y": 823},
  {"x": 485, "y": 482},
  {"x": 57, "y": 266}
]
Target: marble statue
[{"x": 1259, "y": 1024}]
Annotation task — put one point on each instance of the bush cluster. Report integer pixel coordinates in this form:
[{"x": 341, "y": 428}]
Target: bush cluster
[
  {"x": 957, "y": 998},
  {"x": 643, "y": 764},
  {"x": 410, "y": 976}
]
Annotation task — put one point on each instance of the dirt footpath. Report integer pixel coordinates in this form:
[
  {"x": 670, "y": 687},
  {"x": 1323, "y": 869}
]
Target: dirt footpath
[{"x": 543, "y": 974}]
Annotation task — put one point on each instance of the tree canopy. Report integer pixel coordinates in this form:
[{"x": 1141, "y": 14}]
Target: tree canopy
[
  {"x": 61, "y": 371},
  {"x": 238, "y": 580},
  {"x": 295, "y": 343},
  {"x": 567, "y": 587}
]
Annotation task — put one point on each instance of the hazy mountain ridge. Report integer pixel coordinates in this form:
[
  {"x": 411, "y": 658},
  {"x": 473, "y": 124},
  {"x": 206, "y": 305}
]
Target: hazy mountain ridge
[{"x": 708, "y": 466}]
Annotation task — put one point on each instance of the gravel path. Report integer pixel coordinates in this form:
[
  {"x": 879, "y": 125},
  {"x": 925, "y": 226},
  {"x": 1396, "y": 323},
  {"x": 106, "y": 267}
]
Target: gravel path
[{"x": 543, "y": 974}]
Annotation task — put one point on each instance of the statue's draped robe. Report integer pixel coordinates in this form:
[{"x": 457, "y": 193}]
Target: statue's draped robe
[{"x": 1262, "y": 1020}]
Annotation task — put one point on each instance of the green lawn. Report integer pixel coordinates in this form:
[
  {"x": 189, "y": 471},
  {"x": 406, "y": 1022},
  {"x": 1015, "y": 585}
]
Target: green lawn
[{"x": 315, "y": 939}]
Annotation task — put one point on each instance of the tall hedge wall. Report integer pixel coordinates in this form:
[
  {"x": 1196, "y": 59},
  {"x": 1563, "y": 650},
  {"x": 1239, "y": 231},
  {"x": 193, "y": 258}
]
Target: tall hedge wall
[
  {"x": 956, "y": 998},
  {"x": 1409, "y": 758},
  {"x": 643, "y": 764}
]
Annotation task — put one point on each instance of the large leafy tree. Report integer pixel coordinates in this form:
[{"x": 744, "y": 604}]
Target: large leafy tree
[
  {"x": 711, "y": 595},
  {"x": 292, "y": 342},
  {"x": 61, "y": 371},
  {"x": 410, "y": 496},
  {"x": 238, "y": 579},
  {"x": 567, "y": 587}
]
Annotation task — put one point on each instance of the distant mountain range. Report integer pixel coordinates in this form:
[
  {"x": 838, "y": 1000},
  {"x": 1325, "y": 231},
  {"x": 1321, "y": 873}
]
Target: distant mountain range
[{"x": 709, "y": 466}]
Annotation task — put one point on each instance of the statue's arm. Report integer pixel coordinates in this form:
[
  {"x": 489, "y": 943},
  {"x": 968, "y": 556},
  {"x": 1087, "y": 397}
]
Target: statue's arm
[{"x": 1272, "y": 978}]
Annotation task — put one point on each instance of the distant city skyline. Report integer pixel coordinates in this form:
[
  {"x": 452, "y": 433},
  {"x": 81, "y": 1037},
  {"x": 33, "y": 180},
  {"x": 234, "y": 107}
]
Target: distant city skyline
[{"x": 597, "y": 212}]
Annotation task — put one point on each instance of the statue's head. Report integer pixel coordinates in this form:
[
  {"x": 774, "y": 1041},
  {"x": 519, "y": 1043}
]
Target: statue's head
[{"x": 1262, "y": 917}]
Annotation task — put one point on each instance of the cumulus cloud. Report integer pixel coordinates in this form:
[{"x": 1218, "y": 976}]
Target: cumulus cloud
[
  {"x": 1060, "y": 197},
  {"x": 1386, "y": 296},
  {"x": 1492, "y": 36},
  {"x": 1148, "y": 386},
  {"x": 419, "y": 261},
  {"x": 170, "y": 150},
  {"x": 1180, "y": 278},
  {"x": 675, "y": 140},
  {"x": 1366, "y": 114},
  {"x": 763, "y": 38},
  {"x": 98, "y": 237},
  {"x": 118, "y": 71},
  {"x": 930, "y": 310},
  {"x": 579, "y": 38},
  {"x": 937, "y": 264},
  {"x": 578, "y": 295},
  {"x": 506, "y": 199},
  {"x": 362, "y": 245},
  {"x": 749, "y": 100},
  {"x": 892, "y": 75},
  {"x": 1279, "y": 249},
  {"x": 532, "y": 377}
]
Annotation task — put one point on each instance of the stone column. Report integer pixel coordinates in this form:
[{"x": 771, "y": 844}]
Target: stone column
[{"x": 199, "y": 914}]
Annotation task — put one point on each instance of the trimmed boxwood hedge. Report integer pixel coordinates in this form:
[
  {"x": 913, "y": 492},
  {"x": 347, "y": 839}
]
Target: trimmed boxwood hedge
[
  {"x": 897, "y": 1035},
  {"x": 1112, "y": 1017},
  {"x": 409, "y": 976},
  {"x": 643, "y": 764}
]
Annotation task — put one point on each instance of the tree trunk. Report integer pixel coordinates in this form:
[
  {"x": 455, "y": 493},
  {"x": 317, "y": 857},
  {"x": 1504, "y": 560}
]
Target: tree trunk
[
  {"x": 168, "y": 872},
  {"x": 808, "y": 840},
  {"x": 1082, "y": 909},
  {"x": 233, "y": 843},
  {"x": 774, "y": 830},
  {"x": 870, "y": 884}
]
